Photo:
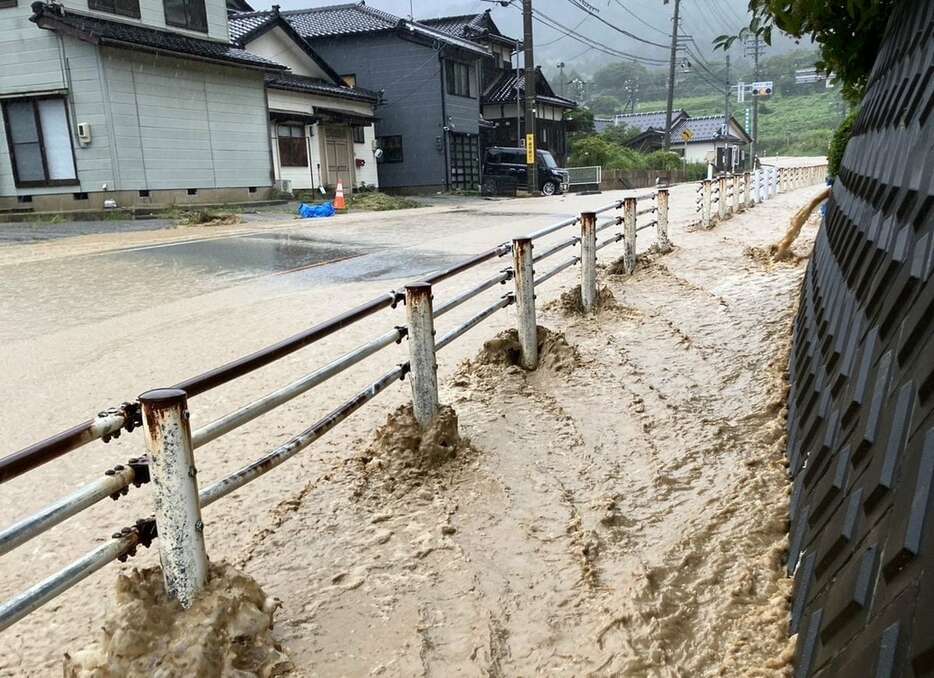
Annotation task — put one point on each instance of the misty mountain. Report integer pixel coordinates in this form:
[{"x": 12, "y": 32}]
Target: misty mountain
[{"x": 648, "y": 20}]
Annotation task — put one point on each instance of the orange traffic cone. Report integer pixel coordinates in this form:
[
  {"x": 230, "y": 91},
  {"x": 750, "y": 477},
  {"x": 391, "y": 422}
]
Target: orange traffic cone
[{"x": 339, "y": 202}]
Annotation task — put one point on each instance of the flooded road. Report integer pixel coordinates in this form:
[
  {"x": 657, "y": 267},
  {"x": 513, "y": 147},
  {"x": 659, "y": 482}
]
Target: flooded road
[{"x": 90, "y": 321}]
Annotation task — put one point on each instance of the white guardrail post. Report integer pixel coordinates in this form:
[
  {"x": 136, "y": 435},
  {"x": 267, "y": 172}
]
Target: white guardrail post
[
  {"x": 175, "y": 491},
  {"x": 706, "y": 217},
  {"x": 524, "y": 277},
  {"x": 420, "y": 317},
  {"x": 661, "y": 216},
  {"x": 722, "y": 202},
  {"x": 588, "y": 261},
  {"x": 629, "y": 235},
  {"x": 747, "y": 190}
]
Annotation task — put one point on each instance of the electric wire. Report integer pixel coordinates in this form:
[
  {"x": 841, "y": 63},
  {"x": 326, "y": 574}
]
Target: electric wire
[{"x": 584, "y": 8}]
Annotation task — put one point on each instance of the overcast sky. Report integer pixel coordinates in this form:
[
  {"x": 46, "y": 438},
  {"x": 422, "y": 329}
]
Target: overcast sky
[{"x": 648, "y": 19}]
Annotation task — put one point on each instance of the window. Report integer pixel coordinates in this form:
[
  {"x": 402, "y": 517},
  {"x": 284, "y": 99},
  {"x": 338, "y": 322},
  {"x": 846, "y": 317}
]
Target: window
[
  {"x": 392, "y": 148},
  {"x": 128, "y": 8},
  {"x": 359, "y": 136},
  {"x": 293, "y": 149},
  {"x": 188, "y": 14},
  {"x": 7, "y": 3},
  {"x": 457, "y": 76},
  {"x": 39, "y": 138}
]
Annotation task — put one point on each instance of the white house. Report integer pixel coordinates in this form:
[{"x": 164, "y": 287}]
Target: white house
[{"x": 320, "y": 126}]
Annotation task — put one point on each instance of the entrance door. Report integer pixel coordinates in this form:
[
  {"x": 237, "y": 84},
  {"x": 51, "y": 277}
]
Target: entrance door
[
  {"x": 338, "y": 156},
  {"x": 465, "y": 162}
]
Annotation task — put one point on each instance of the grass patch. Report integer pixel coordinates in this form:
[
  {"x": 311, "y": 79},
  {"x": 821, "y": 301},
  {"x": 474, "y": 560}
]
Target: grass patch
[{"x": 374, "y": 201}]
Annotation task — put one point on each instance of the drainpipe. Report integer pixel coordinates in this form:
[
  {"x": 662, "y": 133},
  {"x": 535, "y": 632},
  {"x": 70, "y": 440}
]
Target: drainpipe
[{"x": 444, "y": 121}]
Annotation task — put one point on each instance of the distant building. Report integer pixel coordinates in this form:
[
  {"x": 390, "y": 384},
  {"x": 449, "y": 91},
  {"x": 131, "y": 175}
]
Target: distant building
[
  {"x": 502, "y": 102},
  {"x": 699, "y": 139},
  {"x": 428, "y": 127}
]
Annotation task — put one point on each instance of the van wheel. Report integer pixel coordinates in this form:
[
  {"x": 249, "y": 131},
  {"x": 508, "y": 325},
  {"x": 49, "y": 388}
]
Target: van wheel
[
  {"x": 489, "y": 187},
  {"x": 549, "y": 188}
]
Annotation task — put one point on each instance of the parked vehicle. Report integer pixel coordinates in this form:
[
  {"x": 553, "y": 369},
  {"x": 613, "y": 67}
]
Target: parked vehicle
[{"x": 506, "y": 161}]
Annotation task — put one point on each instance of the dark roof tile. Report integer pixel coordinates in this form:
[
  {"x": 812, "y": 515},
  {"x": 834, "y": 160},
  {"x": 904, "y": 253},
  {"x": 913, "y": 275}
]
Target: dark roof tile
[
  {"x": 116, "y": 33},
  {"x": 503, "y": 90},
  {"x": 301, "y": 83}
]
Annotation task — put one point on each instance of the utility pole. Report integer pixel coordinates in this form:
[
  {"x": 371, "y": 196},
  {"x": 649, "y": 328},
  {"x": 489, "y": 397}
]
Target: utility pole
[
  {"x": 530, "y": 92},
  {"x": 726, "y": 107},
  {"x": 754, "y": 47},
  {"x": 561, "y": 70},
  {"x": 671, "y": 74}
]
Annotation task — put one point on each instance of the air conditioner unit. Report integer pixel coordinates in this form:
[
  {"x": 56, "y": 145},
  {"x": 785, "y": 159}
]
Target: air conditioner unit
[{"x": 283, "y": 185}]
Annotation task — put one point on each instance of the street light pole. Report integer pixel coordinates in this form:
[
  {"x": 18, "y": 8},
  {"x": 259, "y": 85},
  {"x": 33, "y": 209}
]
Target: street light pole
[
  {"x": 530, "y": 93},
  {"x": 671, "y": 75}
]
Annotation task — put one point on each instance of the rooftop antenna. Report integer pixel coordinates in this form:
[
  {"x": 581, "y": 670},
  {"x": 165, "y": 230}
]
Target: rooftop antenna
[{"x": 411, "y": 10}]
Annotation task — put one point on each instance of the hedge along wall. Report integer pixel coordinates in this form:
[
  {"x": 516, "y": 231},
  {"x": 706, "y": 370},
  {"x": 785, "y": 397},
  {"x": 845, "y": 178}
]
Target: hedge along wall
[{"x": 861, "y": 409}]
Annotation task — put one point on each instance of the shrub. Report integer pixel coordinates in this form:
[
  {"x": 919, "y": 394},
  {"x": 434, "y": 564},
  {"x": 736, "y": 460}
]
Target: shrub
[{"x": 839, "y": 141}]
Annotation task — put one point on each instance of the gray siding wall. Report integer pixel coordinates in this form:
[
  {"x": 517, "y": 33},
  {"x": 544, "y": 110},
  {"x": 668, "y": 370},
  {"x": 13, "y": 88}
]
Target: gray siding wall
[
  {"x": 464, "y": 112},
  {"x": 156, "y": 122},
  {"x": 410, "y": 76},
  {"x": 184, "y": 124}
]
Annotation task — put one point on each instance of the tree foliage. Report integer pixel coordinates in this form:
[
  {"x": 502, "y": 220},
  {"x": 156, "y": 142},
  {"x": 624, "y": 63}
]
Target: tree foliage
[
  {"x": 839, "y": 141},
  {"x": 580, "y": 121},
  {"x": 847, "y": 31}
]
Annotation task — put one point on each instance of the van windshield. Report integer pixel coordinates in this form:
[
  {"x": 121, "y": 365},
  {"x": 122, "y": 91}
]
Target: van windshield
[{"x": 547, "y": 160}]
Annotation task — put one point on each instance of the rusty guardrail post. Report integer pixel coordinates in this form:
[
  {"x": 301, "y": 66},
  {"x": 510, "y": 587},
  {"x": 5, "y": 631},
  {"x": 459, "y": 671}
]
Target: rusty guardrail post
[
  {"x": 175, "y": 491},
  {"x": 524, "y": 277},
  {"x": 706, "y": 217},
  {"x": 661, "y": 216},
  {"x": 420, "y": 317},
  {"x": 722, "y": 202},
  {"x": 629, "y": 235},
  {"x": 588, "y": 260}
]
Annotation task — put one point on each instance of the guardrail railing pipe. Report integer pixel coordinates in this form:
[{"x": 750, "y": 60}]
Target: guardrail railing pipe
[
  {"x": 175, "y": 490},
  {"x": 661, "y": 229},
  {"x": 588, "y": 261},
  {"x": 525, "y": 302},
  {"x": 418, "y": 312},
  {"x": 629, "y": 235}
]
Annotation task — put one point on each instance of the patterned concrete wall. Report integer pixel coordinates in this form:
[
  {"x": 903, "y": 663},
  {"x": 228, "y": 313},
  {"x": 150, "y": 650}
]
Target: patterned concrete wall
[{"x": 861, "y": 411}]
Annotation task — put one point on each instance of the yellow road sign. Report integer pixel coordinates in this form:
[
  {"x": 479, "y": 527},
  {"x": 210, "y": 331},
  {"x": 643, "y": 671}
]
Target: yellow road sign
[
  {"x": 529, "y": 149},
  {"x": 687, "y": 135}
]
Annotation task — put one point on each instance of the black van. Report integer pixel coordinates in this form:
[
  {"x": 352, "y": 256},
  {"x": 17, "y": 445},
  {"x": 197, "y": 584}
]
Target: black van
[{"x": 506, "y": 161}]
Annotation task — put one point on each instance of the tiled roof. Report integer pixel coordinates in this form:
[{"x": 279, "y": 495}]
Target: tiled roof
[
  {"x": 467, "y": 26},
  {"x": 707, "y": 128},
  {"x": 649, "y": 120},
  {"x": 345, "y": 19},
  {"x": 301, "y": 83},
  {"x": 118, "y": 34},
  {"x": 503, "y": 90}
]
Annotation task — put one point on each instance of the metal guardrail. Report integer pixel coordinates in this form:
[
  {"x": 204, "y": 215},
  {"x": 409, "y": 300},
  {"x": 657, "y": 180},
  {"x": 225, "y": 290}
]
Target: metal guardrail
[
  {"x": 169, "y": 464},
  {"x": 736, "y": 192},
  {"x": 579, "y": 176}
]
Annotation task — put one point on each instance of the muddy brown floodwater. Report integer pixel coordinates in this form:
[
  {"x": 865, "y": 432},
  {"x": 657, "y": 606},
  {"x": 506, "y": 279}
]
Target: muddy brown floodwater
[{"x": 621, "y": 511}]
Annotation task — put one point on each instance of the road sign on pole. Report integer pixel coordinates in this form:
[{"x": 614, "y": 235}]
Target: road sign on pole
[{"x": 762, "y": 88}]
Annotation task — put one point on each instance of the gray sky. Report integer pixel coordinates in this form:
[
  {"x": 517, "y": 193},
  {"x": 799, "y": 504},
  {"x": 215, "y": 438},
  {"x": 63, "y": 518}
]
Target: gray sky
[{"x": 648, "y": 19}]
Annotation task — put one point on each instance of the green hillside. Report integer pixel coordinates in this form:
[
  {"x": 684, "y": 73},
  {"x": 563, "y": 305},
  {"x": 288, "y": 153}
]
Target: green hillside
[{"x": 788, "y": 125}]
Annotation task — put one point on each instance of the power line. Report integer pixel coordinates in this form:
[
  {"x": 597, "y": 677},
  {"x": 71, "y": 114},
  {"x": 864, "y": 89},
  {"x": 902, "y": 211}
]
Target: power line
[
  {"x": 546, "y": 20},
  {"x": 585, "y": 8},
  {"x": 640, "y": 19},
  {"x": 559, "y": 39}
]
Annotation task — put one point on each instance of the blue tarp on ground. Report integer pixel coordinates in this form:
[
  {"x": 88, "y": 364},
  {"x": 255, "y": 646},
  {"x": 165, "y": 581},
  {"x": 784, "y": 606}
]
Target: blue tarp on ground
[{"x": 322, "y": 209}]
